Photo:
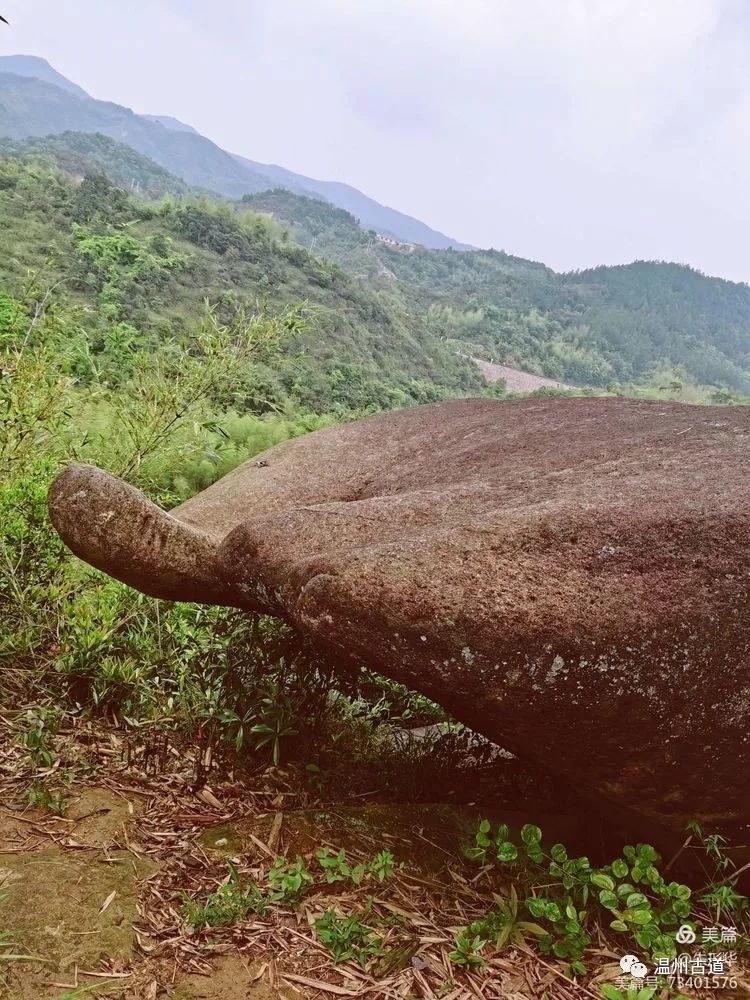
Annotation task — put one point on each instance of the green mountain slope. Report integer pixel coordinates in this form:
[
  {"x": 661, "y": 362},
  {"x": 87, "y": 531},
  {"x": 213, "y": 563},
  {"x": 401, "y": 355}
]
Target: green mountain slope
[
  {"x": 609, "y": 324},
  {"x": 35, "y": 100},
  {"x": 138, "y": 271},
  {"x": 81, "y": 153}
]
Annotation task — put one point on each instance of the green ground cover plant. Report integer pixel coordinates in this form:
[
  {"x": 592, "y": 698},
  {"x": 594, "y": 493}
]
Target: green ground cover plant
[
  {"x": 286, "y": 882},
  {"x": 349, "y": 937},
  {"x": 556, "y": 900}
]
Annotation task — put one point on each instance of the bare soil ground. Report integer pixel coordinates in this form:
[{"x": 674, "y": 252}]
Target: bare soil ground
[{"x": 94, "y": 898}]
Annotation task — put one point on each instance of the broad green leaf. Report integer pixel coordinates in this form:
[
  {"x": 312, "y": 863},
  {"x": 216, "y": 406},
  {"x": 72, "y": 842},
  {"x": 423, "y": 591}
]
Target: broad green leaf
[
  {"x": 602, "y": 881},
  {"x": 647, "y": 854},
  {"x": 507, "y": 851},
  {"x": 558, "y": 852},
  {"x": 531, "y": 834},
  {"x": 635, "y": 900},
  {"x": 536, "y": 907}
]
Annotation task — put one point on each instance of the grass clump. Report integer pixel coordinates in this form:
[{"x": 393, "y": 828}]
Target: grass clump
[
  {"x": 286, "y": 883},
  {"x": 337, "y": 869},
  {"x": 231, "y": 902},
  {"x": 349, "y": 938}
]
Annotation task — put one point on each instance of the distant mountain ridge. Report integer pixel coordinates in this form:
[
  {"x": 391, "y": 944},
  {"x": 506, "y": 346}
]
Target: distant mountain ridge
[
  {"x": 31, "y": 107},
  {"x": 40, "y": 69},
  {"x": 371, "y": 214},
  {"x": 36, "y": 100},
  {"x": 171, "y": 123}
]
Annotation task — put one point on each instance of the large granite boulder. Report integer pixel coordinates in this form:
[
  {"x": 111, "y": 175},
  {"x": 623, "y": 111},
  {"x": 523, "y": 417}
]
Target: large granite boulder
[{"x": 567, "y": 576}]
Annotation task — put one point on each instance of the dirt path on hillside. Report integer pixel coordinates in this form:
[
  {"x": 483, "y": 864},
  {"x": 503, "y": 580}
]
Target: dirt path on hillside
[{"x": 515, "y": 380}]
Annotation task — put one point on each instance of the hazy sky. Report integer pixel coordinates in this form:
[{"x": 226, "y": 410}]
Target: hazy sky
[{"x": 571, "y": 131}]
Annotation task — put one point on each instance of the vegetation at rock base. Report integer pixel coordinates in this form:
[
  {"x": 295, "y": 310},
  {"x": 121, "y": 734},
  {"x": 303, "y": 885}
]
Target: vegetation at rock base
[
  {"x": 556, "y": 899},
  {"x": 556, "y": 903},
  {"x": 349, "y": 938},
  {"x": 232, "y": 901}
]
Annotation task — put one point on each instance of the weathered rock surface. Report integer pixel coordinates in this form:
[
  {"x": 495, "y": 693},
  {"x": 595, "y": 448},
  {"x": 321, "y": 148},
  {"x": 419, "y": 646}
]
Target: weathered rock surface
[{"x": 567, "y": 576}]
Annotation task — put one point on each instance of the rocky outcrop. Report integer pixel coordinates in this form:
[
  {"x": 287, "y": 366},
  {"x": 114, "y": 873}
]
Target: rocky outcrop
[{"x": 567, "y": 576}]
